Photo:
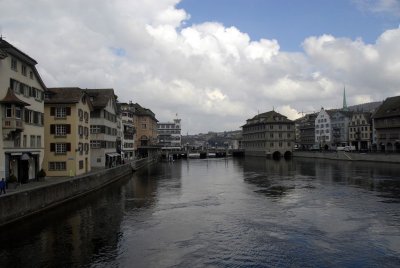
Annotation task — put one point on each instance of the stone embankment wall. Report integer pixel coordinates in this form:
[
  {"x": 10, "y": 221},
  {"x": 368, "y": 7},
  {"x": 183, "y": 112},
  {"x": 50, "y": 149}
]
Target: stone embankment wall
[
  {"x": 351, "y": 156},
  {"x": 27, "y": 202}
]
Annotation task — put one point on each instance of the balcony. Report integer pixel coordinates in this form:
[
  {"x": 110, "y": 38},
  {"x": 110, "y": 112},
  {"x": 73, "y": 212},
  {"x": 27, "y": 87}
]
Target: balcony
[{"x": 13, "y": 124}]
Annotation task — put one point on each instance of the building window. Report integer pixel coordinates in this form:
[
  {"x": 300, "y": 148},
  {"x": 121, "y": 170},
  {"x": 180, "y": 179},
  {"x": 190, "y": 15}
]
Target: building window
[
  {"x": 24, "y": 141},
  {"x": 14, "y": 64},
  {"x": 61, "y": 130},
  {"x": 86, "y": 116},
  {"x": 61, "y": 148},
  {"x": 23, "y": 70},
  {"x": 18, "y": 112},
  {"x": 95, "y": 144},
  {"x": 31, "y": 75},
  {"x": 81, "y": 164},
  {"x": 33, "y": 140},
  {"x": 94, "y": 129},
  {"x": 80, "y": 131},
  {"x": 61, "y": 112},
  {"x": 57, "y": 166},
  {"x": 8, "y": 111},
  {"x": 80, "y": 114},
  {"x": 144, "y": 126},
  {"x": 39, "y": 141}
]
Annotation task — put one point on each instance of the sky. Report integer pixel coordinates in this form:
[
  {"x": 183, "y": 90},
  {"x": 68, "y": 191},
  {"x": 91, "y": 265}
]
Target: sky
[{"x": 214, "y": 63}]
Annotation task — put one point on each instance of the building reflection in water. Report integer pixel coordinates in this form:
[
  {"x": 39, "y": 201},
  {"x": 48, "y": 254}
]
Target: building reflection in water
[
  {"x": 75, "y": 233},
  {"x": 277, "y": 178}
]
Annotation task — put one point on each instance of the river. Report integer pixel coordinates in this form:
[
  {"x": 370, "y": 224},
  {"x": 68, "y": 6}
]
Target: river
[{"x": 248, "y": 212}]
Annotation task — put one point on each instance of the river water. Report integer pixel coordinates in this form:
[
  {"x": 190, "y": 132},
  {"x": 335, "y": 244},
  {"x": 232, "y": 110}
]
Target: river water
[{"x": 248, "y": 212}]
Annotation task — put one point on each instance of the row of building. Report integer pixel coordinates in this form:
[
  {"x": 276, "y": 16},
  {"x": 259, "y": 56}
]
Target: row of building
[
  {"x": 369, "y": 127},
  {"x": 67, "y": 131}
]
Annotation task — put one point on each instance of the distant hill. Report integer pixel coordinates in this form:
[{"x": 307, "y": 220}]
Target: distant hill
[{"x": 365, "y": 107}]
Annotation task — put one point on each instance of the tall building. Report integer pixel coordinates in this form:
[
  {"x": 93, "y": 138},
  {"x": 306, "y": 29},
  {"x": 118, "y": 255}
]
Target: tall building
[
  {"x": 128, "y": 130},
  {"x": 22, "y": 111},
  {"x": 103, "y": 128},
  {"x": 169, "y": 133},
  {"x": 67, "y": 124},
  {"x": 340, "y": 120},
  {"x": 360, "y": 130},
  {"x": 268, "y": 134},
  {"x": 323, "y": 129},
  {"x": 146, "y": 129},
  {"x": 307, "y": 131},
  {"x": 387, "y": 124}
]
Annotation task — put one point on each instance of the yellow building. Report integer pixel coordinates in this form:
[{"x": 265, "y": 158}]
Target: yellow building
[{"x": 67, "y": 137}]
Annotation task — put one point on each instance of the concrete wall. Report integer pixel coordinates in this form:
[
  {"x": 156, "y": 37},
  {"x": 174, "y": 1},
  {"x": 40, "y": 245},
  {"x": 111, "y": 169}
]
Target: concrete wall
[
  {"x": 373, "y": 157},
  {"x": 21, "y": 204}
]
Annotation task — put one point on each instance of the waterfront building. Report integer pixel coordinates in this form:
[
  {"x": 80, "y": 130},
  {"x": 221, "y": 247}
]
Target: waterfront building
[
  {"x": 360, "y": 130},
  {"x": 323, "y": 129},
  {"x": 67, "y": 124},
  {"x": 340, "y": 120},
  {"x": 169, "y": 133},
  {"x": 387, "y": 125},
  {"x": 103, "y": 128},
  {"x": 268, "y": 134},
  {"x": 128, "y": 130},
  {"x": 22, "y": 111},
  {"x": 307, "y": 131},
  {"x": 146, "y": 129}
]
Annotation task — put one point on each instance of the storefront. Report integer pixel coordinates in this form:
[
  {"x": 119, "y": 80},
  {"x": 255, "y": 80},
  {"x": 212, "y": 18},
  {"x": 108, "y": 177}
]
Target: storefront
[{"x": 24, "y": 165}]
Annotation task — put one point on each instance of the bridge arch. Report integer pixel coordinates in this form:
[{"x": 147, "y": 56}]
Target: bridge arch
[
  {"x": 287, "y": 155},
  {"x": 276, "y": 155}
]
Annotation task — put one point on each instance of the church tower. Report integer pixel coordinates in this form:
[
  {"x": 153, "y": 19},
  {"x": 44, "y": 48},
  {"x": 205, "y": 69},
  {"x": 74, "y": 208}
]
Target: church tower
[{"x": 344, "y": 99}]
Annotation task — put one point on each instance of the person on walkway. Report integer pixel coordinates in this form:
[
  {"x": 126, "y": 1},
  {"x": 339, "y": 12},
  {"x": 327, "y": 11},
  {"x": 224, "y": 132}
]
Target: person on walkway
[{"x": 2, "y": 186}]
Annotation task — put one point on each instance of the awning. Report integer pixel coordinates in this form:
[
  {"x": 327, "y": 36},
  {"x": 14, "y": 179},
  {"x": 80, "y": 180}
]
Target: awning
[{"x": 113, "y": 154}]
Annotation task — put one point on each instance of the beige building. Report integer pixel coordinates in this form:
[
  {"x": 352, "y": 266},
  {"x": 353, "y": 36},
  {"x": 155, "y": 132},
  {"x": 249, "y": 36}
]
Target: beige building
[
  {"x": 360, "y": 131},
  {"x": 67, "y": 124},
  {"x": 146, "y": 129},
  {"x": 269, "y": 134},
  {"x": 22, "y": 107}
]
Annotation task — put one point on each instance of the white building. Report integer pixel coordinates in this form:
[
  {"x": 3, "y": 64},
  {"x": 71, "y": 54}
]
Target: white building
[
  {"x": 169, "y": 133},
  {"x": 103, "y": 128},
  {"x": 323, "y": 129},
  {"x": 128, "y": 130},
  {"x": 22, "y": 108}
]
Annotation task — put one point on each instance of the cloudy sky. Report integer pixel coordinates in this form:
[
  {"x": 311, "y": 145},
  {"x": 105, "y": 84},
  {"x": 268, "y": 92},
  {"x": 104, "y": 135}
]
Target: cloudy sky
[{"x": 215, "y": 63}]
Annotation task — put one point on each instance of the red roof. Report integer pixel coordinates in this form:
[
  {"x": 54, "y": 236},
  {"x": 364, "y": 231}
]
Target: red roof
[{"x": 10, "y": 98}]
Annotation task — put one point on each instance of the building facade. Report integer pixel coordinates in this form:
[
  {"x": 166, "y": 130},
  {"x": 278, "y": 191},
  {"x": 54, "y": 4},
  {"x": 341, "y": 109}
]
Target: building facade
[
  {"x": 387, "y": 125},
  {"x": 323, "y": 129},
  {"x": 169, "y": 133},
  {"x": 340, "y": 121},
  {"x": 67, "y": 125},
  {"x": 146, "y": 129},
  {"x": 361, "y": 131},
  {"x": 128, "y": 130},
  {"x": 22, "y": 113},
  {"x": 307, "y": 131},
  {"x": 268, "y": 134},
  {"x": 103, "y": 128}
]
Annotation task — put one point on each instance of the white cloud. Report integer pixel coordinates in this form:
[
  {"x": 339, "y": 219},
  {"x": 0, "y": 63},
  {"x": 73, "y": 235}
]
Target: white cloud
[
  {"x": 380, "y": 6},
  {"x": 214, "y": 77}
]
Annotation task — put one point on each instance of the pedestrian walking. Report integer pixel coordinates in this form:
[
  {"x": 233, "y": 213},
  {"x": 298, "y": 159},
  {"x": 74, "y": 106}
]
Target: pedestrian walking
[{"x": 2, "y": 186}]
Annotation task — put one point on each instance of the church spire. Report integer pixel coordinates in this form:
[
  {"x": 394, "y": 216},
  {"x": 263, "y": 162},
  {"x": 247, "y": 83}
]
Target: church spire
[{"x": 344, "y": 98}]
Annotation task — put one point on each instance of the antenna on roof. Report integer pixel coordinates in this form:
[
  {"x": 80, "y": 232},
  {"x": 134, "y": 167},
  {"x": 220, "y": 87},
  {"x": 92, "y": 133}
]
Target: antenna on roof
[{"x": 1, "y": 33}]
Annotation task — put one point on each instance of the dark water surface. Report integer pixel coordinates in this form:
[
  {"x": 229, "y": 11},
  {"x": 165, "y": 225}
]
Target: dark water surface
[{"x": 223, "y": 213}]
